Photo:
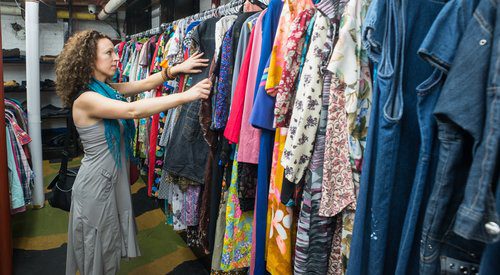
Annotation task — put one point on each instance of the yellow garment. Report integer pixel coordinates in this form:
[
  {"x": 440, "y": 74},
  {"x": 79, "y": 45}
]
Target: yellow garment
[
  {"x": 279, "y": 245},
  {"x": 290, "y": 10}
]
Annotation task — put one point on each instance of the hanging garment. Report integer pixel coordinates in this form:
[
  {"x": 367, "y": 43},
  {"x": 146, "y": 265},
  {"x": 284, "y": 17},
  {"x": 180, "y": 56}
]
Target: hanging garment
[
  {"x": 228, "y": 69},
  {"x": 249, "y": 137},
  {"x": 305, "y": 117},
  {"x": 314, "y": 232},
  {"x": 153, "y": 135},
  {"x": 265, "y": 104},
  {"x": 223, "y": 91},
  {"x": 16, "y": 192},
  {"x": 280, "y": 237},
  {"x": 287, "y": 85},
  {"x": 461, "y": 203},
  {"x": 233, "y": 126},
  {"x": 348, "y": 113},
  {"x": 237, "y": 237},
  {"x": 187, "y": 150},
  {"x": 288, "y": 189},
  {"x": 389, "y": 167},
  {"x": 241, "y": 37},
  {"x": 219, "y": 234},
  {"x": 261, "y": 116},
  {"x": 221, "y": 28},
  {"x": 289, "y": 12}
]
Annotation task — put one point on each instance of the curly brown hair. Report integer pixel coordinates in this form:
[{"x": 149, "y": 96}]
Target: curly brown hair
[{"x": 75, "y": 64}]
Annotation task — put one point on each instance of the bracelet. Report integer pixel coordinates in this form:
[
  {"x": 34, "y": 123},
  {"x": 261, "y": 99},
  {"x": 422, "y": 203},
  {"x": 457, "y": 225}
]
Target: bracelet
[
  {"x": 164, "y": 74},
  {"x": 169, "y": 73}
]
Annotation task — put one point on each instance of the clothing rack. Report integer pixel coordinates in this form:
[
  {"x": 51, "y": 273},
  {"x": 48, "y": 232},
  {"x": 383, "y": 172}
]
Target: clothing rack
[{"x": 232, "y": 7}]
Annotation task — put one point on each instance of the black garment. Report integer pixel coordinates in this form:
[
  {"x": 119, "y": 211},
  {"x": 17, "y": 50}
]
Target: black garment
[
  {"x": 235, "y": 38},
  {"x": 204, "y": 36},
  {"x": 247, "y": 185},
  {"x": 220, "y": 168}
]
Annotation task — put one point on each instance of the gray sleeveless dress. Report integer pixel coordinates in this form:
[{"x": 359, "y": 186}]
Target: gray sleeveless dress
[{"x": 101, "y": 227}]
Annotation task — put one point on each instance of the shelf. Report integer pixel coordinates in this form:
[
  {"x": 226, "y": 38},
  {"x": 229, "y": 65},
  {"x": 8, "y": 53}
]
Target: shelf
[
  {"x": 23, "y": 90},
  {"x": 49, "y": 152},
  {"x": 57, "y": 116},
  {"x": 22, "y": 61}
]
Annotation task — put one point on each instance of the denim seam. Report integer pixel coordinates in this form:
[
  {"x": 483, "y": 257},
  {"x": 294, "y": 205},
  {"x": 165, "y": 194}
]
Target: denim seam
[
  {"x": 470, "y": 214},
  {"x": 431, "y": 58},
  {"x": 486, "y": 153},
  {"x": 483, "y": 23},
  {"x": 428, "y": 234},
  {"x": 428, "y": 90},
  {"x": 497, "y": 67}
]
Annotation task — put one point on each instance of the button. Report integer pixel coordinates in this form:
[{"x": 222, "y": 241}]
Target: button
[
  {"x": 492, "y": 228},
  {"x": 482, "y": 42},
  {"x": 452, "y": 266},
  {"x": 464, "y": 269}
]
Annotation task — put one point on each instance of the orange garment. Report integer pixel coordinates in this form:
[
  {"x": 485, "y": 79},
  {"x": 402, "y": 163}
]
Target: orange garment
[{"x": 280, "y": 236}]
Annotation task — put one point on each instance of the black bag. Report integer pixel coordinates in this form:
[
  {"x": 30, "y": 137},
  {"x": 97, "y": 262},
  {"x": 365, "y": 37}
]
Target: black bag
[{"x": 62, "y": 184}]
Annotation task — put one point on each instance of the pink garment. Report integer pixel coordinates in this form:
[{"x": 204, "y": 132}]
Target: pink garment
[
  {"x": 233, "y": 125},
  {"x": 249, "y": 142}
]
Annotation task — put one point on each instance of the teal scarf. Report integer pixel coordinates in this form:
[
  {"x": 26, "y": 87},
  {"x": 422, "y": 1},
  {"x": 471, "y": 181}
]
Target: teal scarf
[{"x": 112, "y": 126}]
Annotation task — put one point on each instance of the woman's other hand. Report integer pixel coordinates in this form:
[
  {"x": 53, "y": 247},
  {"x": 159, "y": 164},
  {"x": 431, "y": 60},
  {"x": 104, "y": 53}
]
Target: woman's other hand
[
  {"x": 192, "y": 65},
  {"x": 199, "y": 91}
]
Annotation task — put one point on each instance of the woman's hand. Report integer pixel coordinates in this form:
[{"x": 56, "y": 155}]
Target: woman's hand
[
  {"x": 199, "y": 91},
  {"x": 192, "y": 65}
]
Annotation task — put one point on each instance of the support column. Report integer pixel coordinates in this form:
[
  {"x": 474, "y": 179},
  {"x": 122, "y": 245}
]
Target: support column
[{"x": 33, "y": 98}]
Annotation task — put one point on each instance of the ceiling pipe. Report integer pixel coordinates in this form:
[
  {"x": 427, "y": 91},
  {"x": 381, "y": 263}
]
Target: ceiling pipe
[
  {"x": 76, "y": 15},
  {"x": 110, "y": 8},
  {"x": 10, "y": 10}
]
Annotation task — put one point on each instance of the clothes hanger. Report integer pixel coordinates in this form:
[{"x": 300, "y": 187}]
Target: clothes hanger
[{"x": 258, "y": 3}]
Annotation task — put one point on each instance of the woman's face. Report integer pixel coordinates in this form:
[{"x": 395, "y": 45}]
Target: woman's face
[{"x": 107, "y": 60}]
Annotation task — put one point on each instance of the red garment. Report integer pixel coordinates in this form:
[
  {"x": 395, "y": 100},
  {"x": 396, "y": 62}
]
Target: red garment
[
  {"x": 233, "y": 126},
  {"x": 153, "y": 135},
  {"x": 120, "y": 53}
]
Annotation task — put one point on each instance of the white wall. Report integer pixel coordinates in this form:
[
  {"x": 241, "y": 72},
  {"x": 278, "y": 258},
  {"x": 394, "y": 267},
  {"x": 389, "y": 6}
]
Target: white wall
[
  {"x": 155, "y": 17},
  {"x": 51, "y": 43},
  {"x": 205, "y": 5}
]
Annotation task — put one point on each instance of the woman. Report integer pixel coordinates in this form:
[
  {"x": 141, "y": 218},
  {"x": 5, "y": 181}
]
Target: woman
[{"x": 101, "y": 224}]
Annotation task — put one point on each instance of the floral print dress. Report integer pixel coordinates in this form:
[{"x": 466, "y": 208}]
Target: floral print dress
[
  {"x": 237, "y": 248},
  {"x": 306, "y": 112},
  {"x": 351, "y": 88}
]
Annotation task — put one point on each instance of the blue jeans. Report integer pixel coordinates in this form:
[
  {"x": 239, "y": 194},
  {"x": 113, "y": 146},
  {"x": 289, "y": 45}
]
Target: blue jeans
[{"x": 392, "y": 153}]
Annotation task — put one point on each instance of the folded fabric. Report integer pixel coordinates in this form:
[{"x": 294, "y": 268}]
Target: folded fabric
[
  {"x": 11, "y": 84},
  {"x": 51, "y": 110},
  {"x": 11, "y": 52}
]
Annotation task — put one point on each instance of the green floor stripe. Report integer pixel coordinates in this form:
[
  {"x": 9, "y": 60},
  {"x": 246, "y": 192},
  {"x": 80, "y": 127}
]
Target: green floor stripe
[
  {"x": 154, "y": 243},
  {"x": 40, "y": 222}
]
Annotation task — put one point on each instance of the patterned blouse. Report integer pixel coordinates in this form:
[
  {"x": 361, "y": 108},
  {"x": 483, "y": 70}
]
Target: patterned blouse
[
  {"x": 287, "y": 84},
  {"x": 306, "y": 111},
  {"x": 290, "y": 11}
]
